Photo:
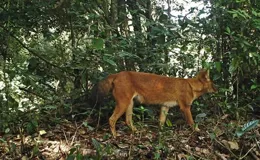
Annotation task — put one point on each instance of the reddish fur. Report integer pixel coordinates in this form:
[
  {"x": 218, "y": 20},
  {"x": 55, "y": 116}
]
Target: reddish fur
[{"x": 153, "y": 89}]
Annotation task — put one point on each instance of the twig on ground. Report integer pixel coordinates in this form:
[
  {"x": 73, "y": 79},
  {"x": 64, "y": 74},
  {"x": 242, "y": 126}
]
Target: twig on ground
[
  {"x": 257, "y": 143},
  {"x": 65, "y": 136},
  {"x": 131, "y": 146},
  {"x": 97, "y": 126},
  {"x": 226, "y": 148},
  {"x": 220, "y": 156},
  {"x": 73, "y": 137},
  {"x": 254, "y": 156},
  {"x": 193, "y": 154},
  {"x": 248, "y": 152}
]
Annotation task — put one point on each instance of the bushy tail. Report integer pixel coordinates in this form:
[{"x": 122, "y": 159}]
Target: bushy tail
[{"x": 101, "y": 90}]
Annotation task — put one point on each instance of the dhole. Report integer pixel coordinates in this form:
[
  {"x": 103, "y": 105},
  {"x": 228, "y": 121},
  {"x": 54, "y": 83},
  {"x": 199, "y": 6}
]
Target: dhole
[{"x": 150, "y": 88}]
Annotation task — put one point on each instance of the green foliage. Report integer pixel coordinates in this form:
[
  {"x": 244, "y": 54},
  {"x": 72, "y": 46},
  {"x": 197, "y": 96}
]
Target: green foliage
[
  {"x": 200, "y": 117},
  {"x": 100, "y": 149},
  {"x": 248, "y": 126},
  {"x": 53, "y": 52},
  {"x": 142, "y": 110},
  {"x": 75, "y": 154}
]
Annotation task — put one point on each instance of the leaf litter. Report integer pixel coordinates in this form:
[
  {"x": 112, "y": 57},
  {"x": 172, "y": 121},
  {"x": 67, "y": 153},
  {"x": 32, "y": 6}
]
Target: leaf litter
[{"x": 70, "y": 140}]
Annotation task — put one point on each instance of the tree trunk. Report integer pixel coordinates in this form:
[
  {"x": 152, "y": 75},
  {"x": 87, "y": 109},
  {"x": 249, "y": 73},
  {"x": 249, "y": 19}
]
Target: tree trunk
[{"x": 139, "y": 47}]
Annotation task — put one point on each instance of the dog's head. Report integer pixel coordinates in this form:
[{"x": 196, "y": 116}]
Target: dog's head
[{"x": 208, "y": 84}]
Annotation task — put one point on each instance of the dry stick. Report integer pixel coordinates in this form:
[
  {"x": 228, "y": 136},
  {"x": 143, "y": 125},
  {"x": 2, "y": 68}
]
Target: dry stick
[
  {"x": 226, "y": 148},
  {"x": 254, "y": 156},
  {"x": 257, "y": 143},
  {"x": 190, "y": 135},
  {"x": 77, "y": 127},
  {"x": 73, "y": 137},
  {"x": 193, "y": 154},
  {"x": 241, "y": 152},
  {"x": 219, "y": 155},
  {"x": 4, "y": 155},
  {"x": 97, "y": 126},
  {"x": 248, "y": 152},
  {"x": 131, "y": 146},
  {"x": 65, "y": 136}
]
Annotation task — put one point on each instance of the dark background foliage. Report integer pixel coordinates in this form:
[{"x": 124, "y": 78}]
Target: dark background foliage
[{"x": 53, "y": 52}]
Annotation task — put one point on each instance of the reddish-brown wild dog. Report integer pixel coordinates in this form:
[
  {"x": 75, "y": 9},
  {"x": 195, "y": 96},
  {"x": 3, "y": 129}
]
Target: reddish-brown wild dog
[{"x": 150, "y": 88}]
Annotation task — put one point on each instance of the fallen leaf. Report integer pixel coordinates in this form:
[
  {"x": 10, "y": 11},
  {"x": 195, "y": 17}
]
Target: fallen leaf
[
  {"x": 233, "y": 145},
  {"x": 205, "y": 151},
  {"x": 42, "y": 132},
  {"x": 225, "y": 142},
  {"x": 24, "y": 158},
  {"x": 222, "y": 156},
  {"x": 225, "y": 116},
  {"x": 182, "y": 156},
  {"x": 123, "y": 146}
]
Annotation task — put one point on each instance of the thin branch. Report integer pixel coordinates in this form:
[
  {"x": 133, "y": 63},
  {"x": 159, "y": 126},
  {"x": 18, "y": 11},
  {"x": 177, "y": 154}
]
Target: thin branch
[
  {"x": 193, "y": 154},
  {"x": 31, "y": 51},
  {"x": 31, "y": 92},
  {"x": 247, "y": 152},
  {"x": 225, "y": 147}
]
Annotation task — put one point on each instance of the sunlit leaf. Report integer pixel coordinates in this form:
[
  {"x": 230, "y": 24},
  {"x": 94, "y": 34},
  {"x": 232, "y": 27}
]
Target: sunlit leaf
[
  {"x": 168, "y": 123},
  {"x": 42, "y": 132},
  {"x": 7, "y": 130},
  {"x": 85, "y": 124},
  {"x": 233, "y": 145},
  {"x": 253, "y": 86}
]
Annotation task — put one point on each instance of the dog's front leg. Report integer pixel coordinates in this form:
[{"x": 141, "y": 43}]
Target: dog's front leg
[{"x": 188, "y": 116}]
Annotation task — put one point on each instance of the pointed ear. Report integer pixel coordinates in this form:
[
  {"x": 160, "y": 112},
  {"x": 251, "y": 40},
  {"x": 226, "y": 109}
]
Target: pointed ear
[{"x": 204, "y": 75}]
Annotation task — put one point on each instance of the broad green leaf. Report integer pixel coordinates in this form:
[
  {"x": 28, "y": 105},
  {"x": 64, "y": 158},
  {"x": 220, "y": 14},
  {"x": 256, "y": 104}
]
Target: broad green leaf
[
  {"x": 106, "y": 59},
  {"x": 234, "y": 65},
  {"x": 248, "y": 126},
  {"x": 72, "y": 150},
  {"x": 201, "y": 115},
  {"x": 50, "y": 107},
  {"x": 7, "y": 130},
  {"x": 98, "y": 43},
  {"x": 71, "y": 157},
  {"x": 253, "y": 87},
  {"x": 85, "y": 124},
  {"x": 254, "y": 13},
  {"x": 228, "y": 30},
  {"x": 2, "y": 140},
  {"x": 218, "y": 66},
  {"x": 35, "y": 150},
  {"x": 212, "y": 136},
  {"x": 168, "y": 123}
]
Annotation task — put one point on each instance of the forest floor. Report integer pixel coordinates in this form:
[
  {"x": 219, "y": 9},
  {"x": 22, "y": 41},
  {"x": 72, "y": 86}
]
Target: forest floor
[{"x": 71, "y": 140}]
